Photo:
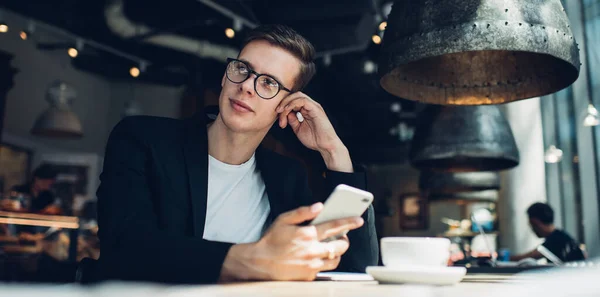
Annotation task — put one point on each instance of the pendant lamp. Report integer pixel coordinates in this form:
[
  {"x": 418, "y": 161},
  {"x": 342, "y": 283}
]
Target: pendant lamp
[
  {"x": 58, "y": 121},
  {"x": 474, "y": 52},
  {"x": 463, "y": 139}
]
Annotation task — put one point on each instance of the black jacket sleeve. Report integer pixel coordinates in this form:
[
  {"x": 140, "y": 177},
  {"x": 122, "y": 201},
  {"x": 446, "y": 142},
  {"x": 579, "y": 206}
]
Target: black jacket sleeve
[
  {"x": 132, "y": 245},
  {"x": 364, "y": 248}
]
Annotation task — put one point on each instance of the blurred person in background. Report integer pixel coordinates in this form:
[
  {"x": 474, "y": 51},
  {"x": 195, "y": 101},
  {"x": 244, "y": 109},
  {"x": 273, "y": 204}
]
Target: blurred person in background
[
  {"x": 39, "y": 190},
  {"x": 561, "y": 244}
]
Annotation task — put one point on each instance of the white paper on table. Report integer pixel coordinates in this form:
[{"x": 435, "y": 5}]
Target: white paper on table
[{"x": 343, "y": 276}]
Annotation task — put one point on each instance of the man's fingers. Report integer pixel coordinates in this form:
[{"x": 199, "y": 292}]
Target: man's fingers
[
  {"x": 317, "y": 265},
  {"x": 331, "y": 264},
  {"x": 327, "y": 250},
  {"x": 293, "y": 121},
  {"x": 336, "y": 227},
  {"x": 289, "y": 99},
  {"x": 294, "y": 105},
  {"x": 301, "y": 214},
  {"x": 282, "y": 120}
]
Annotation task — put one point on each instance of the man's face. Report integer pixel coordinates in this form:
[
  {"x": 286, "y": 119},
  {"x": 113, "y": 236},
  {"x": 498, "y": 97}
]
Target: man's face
[
  {"x": 43, "y": 184},
  {"x": 241, "y": 109},
  {"x": 536, "y": 227}
]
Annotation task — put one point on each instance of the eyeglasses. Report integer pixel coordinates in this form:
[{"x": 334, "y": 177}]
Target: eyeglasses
[{"x": 265, "y": 85}]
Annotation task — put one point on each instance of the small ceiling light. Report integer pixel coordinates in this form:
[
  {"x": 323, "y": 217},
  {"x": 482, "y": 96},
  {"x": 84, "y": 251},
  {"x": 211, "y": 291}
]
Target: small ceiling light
[
  {"x": 591, "y": 118},
  {"x": 376, "y": 39},
  {"x": 230, "y": 33},
  {"x": 24, "y": 34},
  {"x": 553, "y": 155},
  {"x": 134, "y": 71},
  {"x": 382, "y": 26},
  {"x": 3, "y": 25},
  {"x": 74, "y": 51}
]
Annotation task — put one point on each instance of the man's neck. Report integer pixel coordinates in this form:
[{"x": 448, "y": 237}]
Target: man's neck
[
  {"x": 231, "y": 147},
  {"x": 548, "y": 230}
]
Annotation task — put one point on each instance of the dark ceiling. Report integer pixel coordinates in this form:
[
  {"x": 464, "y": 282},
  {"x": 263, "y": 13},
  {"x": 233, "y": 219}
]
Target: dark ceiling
[{"x": 356, "y": 103}]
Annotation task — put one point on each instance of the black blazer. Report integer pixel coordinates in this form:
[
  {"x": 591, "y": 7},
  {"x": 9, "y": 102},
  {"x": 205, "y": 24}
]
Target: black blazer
[{"x": 152, "y": 203}]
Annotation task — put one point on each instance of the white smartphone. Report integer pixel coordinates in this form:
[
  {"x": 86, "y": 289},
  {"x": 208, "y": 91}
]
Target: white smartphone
[{"x": 344, "y": 202}]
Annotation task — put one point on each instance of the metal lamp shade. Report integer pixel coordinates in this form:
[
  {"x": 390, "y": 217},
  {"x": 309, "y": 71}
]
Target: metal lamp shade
[
  {"x": 58, "y": 123},
  {"x": 450, "y": 183},
  {"x": 463, "y": 139},
  {"x": 472, "y": 52},
  {"x": 58, "y": 120}
]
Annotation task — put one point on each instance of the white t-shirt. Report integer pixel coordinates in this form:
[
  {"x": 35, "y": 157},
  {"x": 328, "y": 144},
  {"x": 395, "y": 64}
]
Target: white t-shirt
[{"x": 237, "y": 206}]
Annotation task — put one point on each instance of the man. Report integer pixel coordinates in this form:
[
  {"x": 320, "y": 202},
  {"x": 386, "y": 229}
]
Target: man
[
  {"x": 42, "y": 200},
  {"x": 40, "y": 190},
  {"x": 186, "y": 202},
  {"x": 541, "y": 219}
]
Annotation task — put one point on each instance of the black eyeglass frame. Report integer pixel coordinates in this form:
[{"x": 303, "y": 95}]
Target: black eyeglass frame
[{"x": 258, "y": 75}]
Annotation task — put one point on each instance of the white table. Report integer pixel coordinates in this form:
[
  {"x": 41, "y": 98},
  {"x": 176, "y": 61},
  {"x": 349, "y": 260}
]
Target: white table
[{"x": 578, "y": 282}]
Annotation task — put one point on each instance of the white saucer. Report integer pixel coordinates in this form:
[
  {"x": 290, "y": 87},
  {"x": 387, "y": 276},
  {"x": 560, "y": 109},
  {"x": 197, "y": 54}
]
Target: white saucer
[{"x": 430, "y": 275}]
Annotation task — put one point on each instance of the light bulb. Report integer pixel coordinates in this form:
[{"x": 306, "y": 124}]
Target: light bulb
[
  {"x": 73, "y": 52},
  {"x": 369, "y": 67},
  {"x": 376, "y": 39},
  {"x": 382, "y": 26},
  {"x": 591, "y": 118},
  {"x": 396, "y": 107},
  {"x": 3, "y": 27},
  {"x": 26, "y": 33},
  {"x": 134, "y": 71},
  {"x": 230, "y": 33},
  {"x": 553, "y": 155}
]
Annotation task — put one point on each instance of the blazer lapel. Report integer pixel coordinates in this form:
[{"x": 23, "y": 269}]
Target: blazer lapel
[{"x": 196, "y": 162}]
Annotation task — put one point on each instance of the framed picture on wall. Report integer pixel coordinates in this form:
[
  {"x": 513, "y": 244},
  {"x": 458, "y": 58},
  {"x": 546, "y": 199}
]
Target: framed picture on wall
[
  {"x": 413, "y": 212},
  {"x": 15, "y": 164}
]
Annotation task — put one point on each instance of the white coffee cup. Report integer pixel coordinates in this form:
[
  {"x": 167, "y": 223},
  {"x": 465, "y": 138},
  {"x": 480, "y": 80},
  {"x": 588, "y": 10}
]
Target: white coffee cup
[{"x": 415, "y": 251}]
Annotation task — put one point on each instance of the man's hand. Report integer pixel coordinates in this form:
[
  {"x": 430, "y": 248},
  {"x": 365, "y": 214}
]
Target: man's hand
[
  {"x": 288, "y": 251},
  {"x": 316, "y": 131}
]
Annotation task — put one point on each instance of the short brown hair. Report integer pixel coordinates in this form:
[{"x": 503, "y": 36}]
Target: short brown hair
[{"x": 290, "y": 40}]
